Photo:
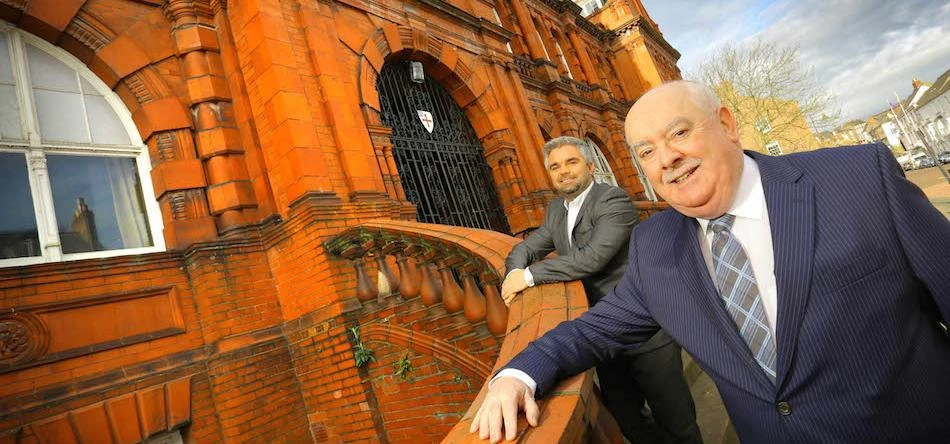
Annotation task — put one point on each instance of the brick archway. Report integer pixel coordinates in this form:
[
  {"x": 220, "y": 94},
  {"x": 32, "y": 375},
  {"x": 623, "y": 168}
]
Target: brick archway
[
  {"x": 465, "y": 78},
  {"x": 466, "y": 83}
]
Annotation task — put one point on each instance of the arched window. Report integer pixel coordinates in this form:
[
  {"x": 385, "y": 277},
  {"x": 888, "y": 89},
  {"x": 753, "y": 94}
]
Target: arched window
[
  {"x": 74, "y": 174},
  {"x": 543, "y": 46},
  {"x": 563, "y": 60},
  {"x": 647, "y": 188},
  {"x": 602, "y": 171},
  {"x": 942, "y": 129}
]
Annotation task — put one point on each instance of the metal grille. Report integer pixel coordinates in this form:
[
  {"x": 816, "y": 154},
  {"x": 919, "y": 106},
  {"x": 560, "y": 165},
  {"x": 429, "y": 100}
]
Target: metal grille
[{"x": 444, "y": 173}]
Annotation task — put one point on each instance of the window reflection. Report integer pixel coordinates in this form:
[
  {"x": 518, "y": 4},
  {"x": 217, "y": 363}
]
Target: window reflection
[
  {"x": 18, "y": 235},
  {"x": 98, "y": 202}
]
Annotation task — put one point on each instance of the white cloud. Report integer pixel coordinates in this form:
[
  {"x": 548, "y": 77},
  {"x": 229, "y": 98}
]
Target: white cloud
[{"x": 861, "y": 50}]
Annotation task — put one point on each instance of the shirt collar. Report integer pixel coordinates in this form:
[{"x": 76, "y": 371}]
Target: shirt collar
[
  {"x": 749, "y": 202},
  {"x": 579, "y": 200}
]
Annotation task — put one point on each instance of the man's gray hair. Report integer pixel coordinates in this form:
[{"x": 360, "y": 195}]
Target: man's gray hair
[
  {"x": 702, "y": 95},
  {"x": 587, "y": 152}
]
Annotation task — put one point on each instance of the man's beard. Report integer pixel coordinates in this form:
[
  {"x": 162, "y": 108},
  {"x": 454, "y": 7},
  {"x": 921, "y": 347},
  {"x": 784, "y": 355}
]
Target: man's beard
[{"x": 573, "y": 190}]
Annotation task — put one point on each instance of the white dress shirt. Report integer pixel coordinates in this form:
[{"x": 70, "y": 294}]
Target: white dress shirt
[
  {"x": 751, "y": 228},
  {"x": 573, "y": 209}
]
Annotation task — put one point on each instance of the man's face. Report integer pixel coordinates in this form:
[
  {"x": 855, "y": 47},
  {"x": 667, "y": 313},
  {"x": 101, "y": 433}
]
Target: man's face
[
  {"x": 691, "y": 155},
  {"x": 569, "y": 171}
]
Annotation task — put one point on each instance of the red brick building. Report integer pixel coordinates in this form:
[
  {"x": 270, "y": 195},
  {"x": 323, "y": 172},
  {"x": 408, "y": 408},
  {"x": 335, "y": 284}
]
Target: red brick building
[{"x": 203, "y": 201}]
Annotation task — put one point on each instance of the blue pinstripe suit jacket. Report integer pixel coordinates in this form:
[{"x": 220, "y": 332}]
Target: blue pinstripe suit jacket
[{"x": 862, "y": 265}]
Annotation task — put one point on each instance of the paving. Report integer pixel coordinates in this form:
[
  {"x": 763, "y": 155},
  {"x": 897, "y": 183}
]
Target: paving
[{"x": 934, "y": 185}]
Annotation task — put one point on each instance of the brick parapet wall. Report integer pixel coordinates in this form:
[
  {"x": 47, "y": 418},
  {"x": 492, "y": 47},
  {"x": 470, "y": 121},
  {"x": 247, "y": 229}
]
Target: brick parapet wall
[{"x": 572, "y": 412}]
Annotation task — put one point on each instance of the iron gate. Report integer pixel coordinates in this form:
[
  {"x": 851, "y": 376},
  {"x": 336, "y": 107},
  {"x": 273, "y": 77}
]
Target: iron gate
[{"x": 443, "y": 171}]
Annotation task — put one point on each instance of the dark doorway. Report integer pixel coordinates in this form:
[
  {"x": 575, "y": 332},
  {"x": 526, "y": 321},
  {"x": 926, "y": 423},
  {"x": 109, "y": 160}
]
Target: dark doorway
[{"x": 439, "y": 157}]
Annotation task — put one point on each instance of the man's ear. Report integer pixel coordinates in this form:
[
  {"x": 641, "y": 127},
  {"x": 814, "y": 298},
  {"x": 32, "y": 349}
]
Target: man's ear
[{"x": 729, "y": 124}]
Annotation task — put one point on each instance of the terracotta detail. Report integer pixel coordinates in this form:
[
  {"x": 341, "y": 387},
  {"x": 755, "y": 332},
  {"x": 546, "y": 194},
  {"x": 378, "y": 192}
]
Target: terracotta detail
[
  {"x": 23, "y": 339},
  {"x": 431, "y": 291},
  {"x": 409, "y": 279},
  {"x": 474, "y": 299},
  {"x": 496, "y": 311}
]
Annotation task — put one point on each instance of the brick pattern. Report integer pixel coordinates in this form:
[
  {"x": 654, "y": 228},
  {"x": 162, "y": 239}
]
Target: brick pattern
[{"x": 256, "y": 395}]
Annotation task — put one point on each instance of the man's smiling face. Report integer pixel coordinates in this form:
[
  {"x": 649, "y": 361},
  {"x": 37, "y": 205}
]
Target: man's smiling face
[
  {"x": 569, "y": 172},
  {"x": 689, "y": 151}
]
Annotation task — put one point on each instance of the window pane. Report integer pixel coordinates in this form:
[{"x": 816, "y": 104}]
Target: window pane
[
  {"x": 9, "y": 114},
  {"x": 6, "y": 66},
  {"x": 47, "y": 72},
  {"x": 60, "y": 116},
  {"x": 88, "y": 89},
  {"x": 18, "y": 235},
  {"x": 98, "y": 203},
  {"x": 104, "y": 123}
]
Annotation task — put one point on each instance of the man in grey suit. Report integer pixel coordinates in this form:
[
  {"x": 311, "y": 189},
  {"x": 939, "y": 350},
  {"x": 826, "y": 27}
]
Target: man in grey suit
[{"x": 589, "y": 227}]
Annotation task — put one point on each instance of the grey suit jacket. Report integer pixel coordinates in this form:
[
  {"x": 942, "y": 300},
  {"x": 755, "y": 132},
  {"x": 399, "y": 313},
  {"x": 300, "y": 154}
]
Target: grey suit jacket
[{"x": 598, "y": 256}]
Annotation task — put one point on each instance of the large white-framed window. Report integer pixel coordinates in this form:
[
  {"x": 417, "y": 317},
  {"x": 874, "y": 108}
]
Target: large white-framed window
[
  {"x": 588, "y": 7},
  {"x": 74, "y": 173},
  {"x": 602, "y": 171}
]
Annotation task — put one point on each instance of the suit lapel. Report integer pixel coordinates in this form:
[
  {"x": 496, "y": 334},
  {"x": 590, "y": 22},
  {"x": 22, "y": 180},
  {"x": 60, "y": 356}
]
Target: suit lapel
[
  {"x": 561, "y": 243},
  {"x": 791, "y": 206},
  {"x": 695, "y": 275}
]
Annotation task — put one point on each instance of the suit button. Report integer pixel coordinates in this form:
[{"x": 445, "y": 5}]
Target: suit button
[{"x": 784, "y": 408}]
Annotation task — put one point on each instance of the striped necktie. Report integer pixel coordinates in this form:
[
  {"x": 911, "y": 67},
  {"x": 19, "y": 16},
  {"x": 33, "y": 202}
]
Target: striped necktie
[{"x": 740, "y": 292}]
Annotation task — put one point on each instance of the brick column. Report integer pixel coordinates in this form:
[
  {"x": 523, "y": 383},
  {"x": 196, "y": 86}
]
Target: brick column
[
  {"x": 218, "y": 140},
  {"x": 581, "y": 49},
  {"x": 528, "y": 31}
]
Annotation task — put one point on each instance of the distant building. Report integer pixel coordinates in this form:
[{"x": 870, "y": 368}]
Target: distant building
[
  {"x": 932, "y": 110},
  {"x": 769, "y": 125},
  {"x": 883, "y": 127}
]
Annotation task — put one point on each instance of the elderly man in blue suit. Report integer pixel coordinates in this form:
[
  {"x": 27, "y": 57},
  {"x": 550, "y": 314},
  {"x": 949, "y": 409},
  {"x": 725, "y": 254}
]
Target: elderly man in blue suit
[{"x": 813, "y": 288}]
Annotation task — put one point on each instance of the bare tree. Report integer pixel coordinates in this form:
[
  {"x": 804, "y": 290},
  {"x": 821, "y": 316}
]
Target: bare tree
[{"x": 775, "y": 98}]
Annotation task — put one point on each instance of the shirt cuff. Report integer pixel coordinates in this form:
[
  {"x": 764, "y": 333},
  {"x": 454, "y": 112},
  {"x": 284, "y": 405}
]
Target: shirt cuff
[
  {"x": 517, "y": 374},
  {"x": 528, "y": 278}
]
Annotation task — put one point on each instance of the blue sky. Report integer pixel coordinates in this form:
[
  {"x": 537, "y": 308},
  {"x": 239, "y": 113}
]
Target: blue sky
[{"x": 861, "y": 50}]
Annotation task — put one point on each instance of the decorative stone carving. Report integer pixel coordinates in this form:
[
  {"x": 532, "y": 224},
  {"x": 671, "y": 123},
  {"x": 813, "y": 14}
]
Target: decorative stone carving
[{"x": 23, "y": 338}]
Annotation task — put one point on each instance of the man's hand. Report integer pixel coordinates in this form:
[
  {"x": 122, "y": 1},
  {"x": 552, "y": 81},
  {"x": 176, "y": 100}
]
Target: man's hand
[
  {"x": 506, "y": 397},
  {"x": 514, "y": 283}
]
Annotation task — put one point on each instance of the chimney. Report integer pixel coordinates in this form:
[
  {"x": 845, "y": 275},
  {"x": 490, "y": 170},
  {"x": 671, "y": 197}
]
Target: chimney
[{"x": 917, "y": 83}]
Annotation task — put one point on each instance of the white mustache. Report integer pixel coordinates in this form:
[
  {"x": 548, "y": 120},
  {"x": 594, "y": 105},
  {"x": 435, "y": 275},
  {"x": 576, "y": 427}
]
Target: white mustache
[{"x": 684, "y": 166}]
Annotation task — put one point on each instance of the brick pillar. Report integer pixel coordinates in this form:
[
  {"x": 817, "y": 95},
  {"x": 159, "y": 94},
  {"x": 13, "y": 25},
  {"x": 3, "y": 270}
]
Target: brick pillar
[
  {"x": 219, "y": 146},
  {"x": 177, "y": 174},
  {"x": 528, "y": 31},
  {"x": 341, "y": 104},
  {"x": 581, "y": 49}
]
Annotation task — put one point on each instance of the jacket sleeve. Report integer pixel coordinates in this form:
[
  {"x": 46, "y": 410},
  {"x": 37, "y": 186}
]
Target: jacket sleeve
[
  {"x": 613, "y": 219},
  {"x": 620, "y": 321},
  {"x": 536, "y": 246},
  {"x": 922, "y": 230}
]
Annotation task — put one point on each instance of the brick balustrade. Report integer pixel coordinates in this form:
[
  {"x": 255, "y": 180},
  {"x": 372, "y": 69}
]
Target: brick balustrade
[{"x": 393, "y": 317}]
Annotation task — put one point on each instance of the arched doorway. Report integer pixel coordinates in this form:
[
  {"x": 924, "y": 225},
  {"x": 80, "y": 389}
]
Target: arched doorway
[{"x": 438, "y": 155}]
